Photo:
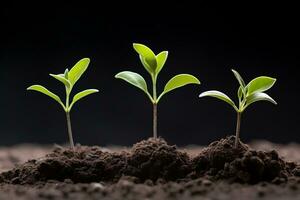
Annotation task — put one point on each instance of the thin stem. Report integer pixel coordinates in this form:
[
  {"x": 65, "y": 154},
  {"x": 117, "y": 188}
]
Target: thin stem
[
  {"x": 69, "y": 124},
  {"x": 155, "y": 120},
  {"x": 154, "y": 88},
  {"x": 70, "y": 131},
  {"x": 238, "y": 129},
  {"x": 154, "y": 107}
]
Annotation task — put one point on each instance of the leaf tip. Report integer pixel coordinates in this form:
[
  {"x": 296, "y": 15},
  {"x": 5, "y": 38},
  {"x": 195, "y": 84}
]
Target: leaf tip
[
  {"x": 86, "y": 59},
  {"x": 118, "y": 75},
  {"x": 134, "y": 45},
  {"x": 201, "y": 95}
]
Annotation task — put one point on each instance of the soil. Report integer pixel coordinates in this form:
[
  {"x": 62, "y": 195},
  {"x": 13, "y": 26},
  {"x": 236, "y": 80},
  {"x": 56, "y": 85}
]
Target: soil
[{"x": 152, "y": 169}]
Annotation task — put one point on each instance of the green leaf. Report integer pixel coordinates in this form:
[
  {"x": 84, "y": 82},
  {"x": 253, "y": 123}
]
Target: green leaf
[
  {"x": 218, "y": 95},
  {"x": 62, "y": 79},
  {"x": 239, "y": 78},
  {"x": 81, "y": 95},
  {"x": 259, "y": 96},
  {"x": 178, "y": 81},
  {"x": 79, "y": 68},
  {"x": 134, "y": 79},
  {"x": 260, "y": 84},
  {"x": 147, "y": 54},
  {"x": 66, "y": 74},
  {"x": 161, "y": 59},
  {"x": 146, "y": 65},
  {"x": 240, "y": 93},
  {"x": 45, "y": 91}
]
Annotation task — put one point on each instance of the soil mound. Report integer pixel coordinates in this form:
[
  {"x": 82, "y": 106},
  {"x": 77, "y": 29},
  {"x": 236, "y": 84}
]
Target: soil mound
[
  {"x": 154, "y": 159},
  {"x": 220, "y": 160},
  {"x": 86, "y": 164}
]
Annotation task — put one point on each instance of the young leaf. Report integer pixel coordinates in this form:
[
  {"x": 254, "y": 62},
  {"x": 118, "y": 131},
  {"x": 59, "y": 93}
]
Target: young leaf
[
  {"x": 178, "y": 81},
  {"x": 82, "y": 94},
  {"x": 62, "y": 79},
  {"x": 161, "y": 59},
  {"x": 134, "y": 79},
  {"x": 79, "y": 68},
  {"x": 259, "y": 96},
  {"x": 239, "y": 78},
  {"x": 146, "y": 65},
  {"x": 260, "y": 84},
  {"x": 218, "y": 95},
  {"x": 148, "y": 55},
  {"x": 45, "y": 91},
  {"x": 66, "y": 74},
  {"x": 240, "y": 93}
]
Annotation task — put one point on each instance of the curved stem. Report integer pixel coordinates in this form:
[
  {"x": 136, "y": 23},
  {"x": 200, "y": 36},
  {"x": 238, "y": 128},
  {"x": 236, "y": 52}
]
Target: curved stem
[
  {"x": 70, "y": 131},
  {"x": 238, "y": 129}
]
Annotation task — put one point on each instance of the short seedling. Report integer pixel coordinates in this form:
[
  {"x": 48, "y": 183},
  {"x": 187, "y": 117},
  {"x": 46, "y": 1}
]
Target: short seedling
[
  {"x": 69, "y": 78},
  {"x": 247, "y": 94},
  {"x": 154, "y": 64}
]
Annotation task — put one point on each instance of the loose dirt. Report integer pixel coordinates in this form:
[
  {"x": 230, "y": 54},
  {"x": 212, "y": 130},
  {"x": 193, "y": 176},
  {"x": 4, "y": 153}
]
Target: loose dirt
[{"x": 152, "y": 169}]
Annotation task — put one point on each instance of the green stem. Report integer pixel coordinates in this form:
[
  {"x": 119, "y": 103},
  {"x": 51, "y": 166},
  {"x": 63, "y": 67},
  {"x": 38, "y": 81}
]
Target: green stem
[
  {"x": 154, "y": 107},
  {"x": 155, "y": 120},
  {"x": 70, "y": 131},
  {"x": 238, "y": 129},
  {"x": 69, "y": 124}
]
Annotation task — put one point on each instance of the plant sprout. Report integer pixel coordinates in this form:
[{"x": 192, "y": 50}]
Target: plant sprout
[
  {"x": 247, "y": 94},
  {"x": 68, "y": 78},
  {"x": 154, "y": 64}
]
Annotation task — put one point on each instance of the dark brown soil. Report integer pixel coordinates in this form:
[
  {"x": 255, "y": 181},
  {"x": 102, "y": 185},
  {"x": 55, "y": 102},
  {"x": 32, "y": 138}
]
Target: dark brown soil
[
  {"x": 152, "y": 169},
  {"x": 220, "y": 160},
  {"x": 151, "y": 159},
  {"x": 127, "y": 189},
  {"x": 86, "y": 164},
  {"x": 154, "y": 159}
]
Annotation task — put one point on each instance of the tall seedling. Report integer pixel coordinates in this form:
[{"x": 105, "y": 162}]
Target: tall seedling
[
  {"x": 153, "y": 65},
  {"x": 68, "y": 78}
]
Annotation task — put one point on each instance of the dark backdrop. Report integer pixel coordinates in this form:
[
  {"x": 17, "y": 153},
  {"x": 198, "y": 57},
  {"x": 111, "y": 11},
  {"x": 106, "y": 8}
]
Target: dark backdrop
[{"x": 204, "y": 41}]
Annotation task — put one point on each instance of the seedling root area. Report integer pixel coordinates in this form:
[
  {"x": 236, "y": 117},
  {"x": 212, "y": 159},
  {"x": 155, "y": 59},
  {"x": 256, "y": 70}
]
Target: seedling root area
[{"x": 152, "y": 169}]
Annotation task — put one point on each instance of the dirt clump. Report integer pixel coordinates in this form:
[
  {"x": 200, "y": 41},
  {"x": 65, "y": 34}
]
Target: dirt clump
[
  {"x": 85, "y": 164},
  {"x": 153, "y": 162},
  {"x": 154, "y": 159},
  {"x": 220, "y": 160}
]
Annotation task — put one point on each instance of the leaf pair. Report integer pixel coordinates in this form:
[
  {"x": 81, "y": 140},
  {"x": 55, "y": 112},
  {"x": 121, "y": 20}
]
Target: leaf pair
[
  {"x": 247, "y": 94},
  {"x": 69, "y": 79},
  {"x": 154, "y": 64}
]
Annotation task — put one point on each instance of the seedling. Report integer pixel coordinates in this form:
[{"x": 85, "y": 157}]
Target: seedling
[
  {"x": 154, "y": 64},
  {"x": 68, "y": 78},
  {"x": 247, "y": 94}
]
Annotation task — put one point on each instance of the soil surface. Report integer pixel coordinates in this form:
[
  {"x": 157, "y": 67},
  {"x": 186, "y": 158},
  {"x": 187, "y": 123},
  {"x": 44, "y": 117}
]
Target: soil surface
[{"x": 152, "y": 169}]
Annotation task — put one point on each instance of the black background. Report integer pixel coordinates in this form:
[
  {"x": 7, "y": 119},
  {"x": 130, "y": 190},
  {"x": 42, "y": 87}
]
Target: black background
[{"x": 202, "y": 40}]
